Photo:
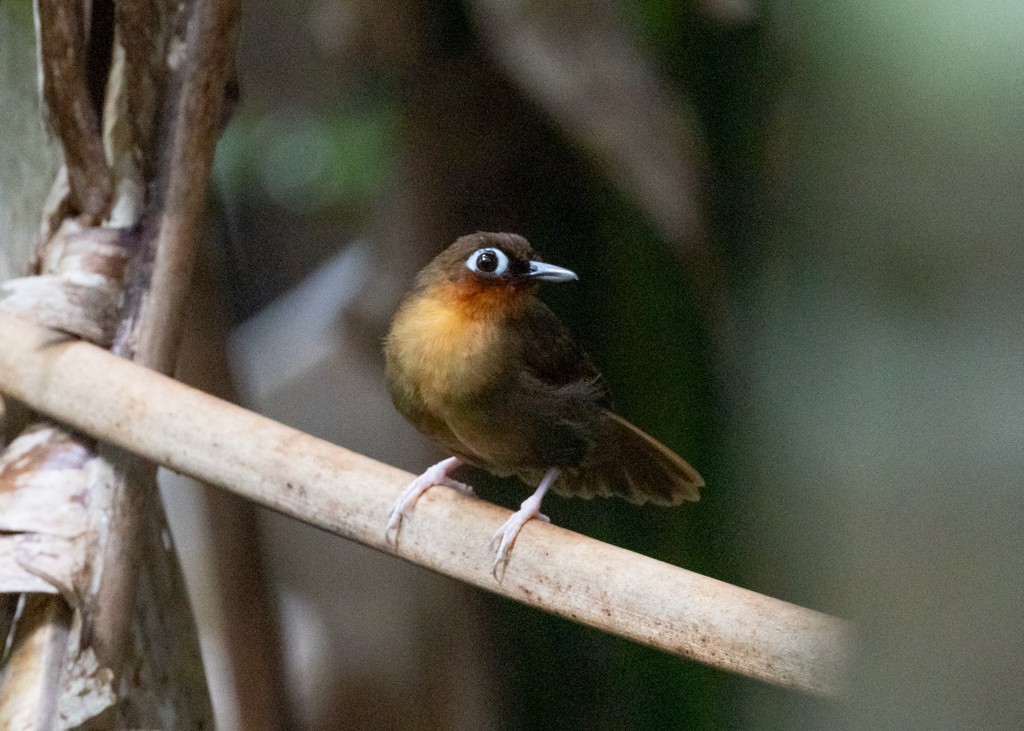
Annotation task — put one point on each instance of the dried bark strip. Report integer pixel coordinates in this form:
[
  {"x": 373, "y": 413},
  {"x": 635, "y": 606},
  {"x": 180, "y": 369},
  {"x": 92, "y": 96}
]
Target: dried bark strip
[
  {"x": 348, "y": 494},
  {"x": 45, "y": 477},
  {"x": 63, "y": 36},
  {"x": 79, "y": 288},
  {"x": 142, "y": 38},
  {"x": 156, "y": 290}
]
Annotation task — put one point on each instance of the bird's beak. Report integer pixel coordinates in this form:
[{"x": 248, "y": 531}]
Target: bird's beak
[{"x": 550, "y": 273}]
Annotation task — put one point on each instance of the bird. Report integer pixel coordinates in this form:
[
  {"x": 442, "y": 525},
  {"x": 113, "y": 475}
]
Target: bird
[{"x": 479, "y": 364}]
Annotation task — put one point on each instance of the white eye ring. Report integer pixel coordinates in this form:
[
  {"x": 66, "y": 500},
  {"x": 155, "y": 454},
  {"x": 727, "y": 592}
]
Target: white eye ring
[{"x": 481, "y": 261}]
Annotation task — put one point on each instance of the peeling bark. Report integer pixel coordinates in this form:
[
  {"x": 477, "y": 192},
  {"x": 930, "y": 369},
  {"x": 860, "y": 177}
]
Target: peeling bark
[
  {"x": 81, "y": 292},
  {"x": 117, "y": 648}
]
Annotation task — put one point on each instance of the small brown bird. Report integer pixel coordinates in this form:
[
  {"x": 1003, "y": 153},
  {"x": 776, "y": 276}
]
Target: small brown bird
[{"x": 481, "y": 366}]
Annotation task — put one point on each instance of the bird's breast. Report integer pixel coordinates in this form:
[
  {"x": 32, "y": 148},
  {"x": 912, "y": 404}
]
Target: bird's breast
[{"x": 444, "y": 354}]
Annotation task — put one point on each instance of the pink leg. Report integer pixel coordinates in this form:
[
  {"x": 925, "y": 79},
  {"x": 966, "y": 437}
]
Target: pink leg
[
  {"x": 529, "y": 510},
  {"x": 435, "y": 475}
]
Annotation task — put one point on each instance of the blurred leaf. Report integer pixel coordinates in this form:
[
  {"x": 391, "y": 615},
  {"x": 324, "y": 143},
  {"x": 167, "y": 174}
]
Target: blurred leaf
[{"x": 309, "y": 162}]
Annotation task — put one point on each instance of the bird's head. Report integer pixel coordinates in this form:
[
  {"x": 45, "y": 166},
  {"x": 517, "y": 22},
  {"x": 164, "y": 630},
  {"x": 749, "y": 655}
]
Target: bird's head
[{"x": 486, "y": 270}]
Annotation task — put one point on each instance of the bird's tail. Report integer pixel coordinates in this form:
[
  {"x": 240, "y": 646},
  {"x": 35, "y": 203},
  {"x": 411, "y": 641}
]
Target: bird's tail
[{"x": 630, "y": 464}]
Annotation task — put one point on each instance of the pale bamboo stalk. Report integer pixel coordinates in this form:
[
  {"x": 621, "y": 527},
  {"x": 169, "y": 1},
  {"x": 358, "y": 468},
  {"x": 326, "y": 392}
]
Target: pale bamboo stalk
[
  {"x": 31, "y": 674},
  {"x": 348, "y": 494}
]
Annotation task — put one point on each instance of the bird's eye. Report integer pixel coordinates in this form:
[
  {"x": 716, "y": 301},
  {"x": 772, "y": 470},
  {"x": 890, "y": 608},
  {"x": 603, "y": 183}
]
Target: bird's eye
[{"x": 488, "y": 262}]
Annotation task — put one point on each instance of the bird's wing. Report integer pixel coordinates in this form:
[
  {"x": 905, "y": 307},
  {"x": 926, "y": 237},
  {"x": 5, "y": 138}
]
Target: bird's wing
[
  {"x": 574, "y": 427},
  {"x": 528, "y": 426},
  {"x": 552, "y": 356}
]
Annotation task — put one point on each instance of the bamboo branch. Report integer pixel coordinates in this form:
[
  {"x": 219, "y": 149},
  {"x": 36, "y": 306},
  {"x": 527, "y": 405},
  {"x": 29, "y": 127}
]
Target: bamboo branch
[
  {"x": 33, "y": 670},
  {"x": 350, "y": 495}
]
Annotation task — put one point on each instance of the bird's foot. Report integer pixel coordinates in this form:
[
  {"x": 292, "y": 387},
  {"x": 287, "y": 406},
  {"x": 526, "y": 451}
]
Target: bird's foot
[
  {"x": 506, "y": 536},
  {"x": 436, "y": 475}
]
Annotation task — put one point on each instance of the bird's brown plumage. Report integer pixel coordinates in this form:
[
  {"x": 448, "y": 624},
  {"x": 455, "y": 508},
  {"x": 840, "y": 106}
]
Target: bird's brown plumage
[{"x": 480, "y": 365}]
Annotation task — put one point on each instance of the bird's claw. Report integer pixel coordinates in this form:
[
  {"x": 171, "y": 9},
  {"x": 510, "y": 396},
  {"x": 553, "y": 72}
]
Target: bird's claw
[
  {"x": 462, "y": 487},
  {"x": 436, "y": 475},
  {"x": 398, "y": 514},
  {"x": 505, "y": 537}
]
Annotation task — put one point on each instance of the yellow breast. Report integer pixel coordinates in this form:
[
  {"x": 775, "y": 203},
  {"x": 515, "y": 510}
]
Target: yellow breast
[{"x": 446, "y": 350}]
